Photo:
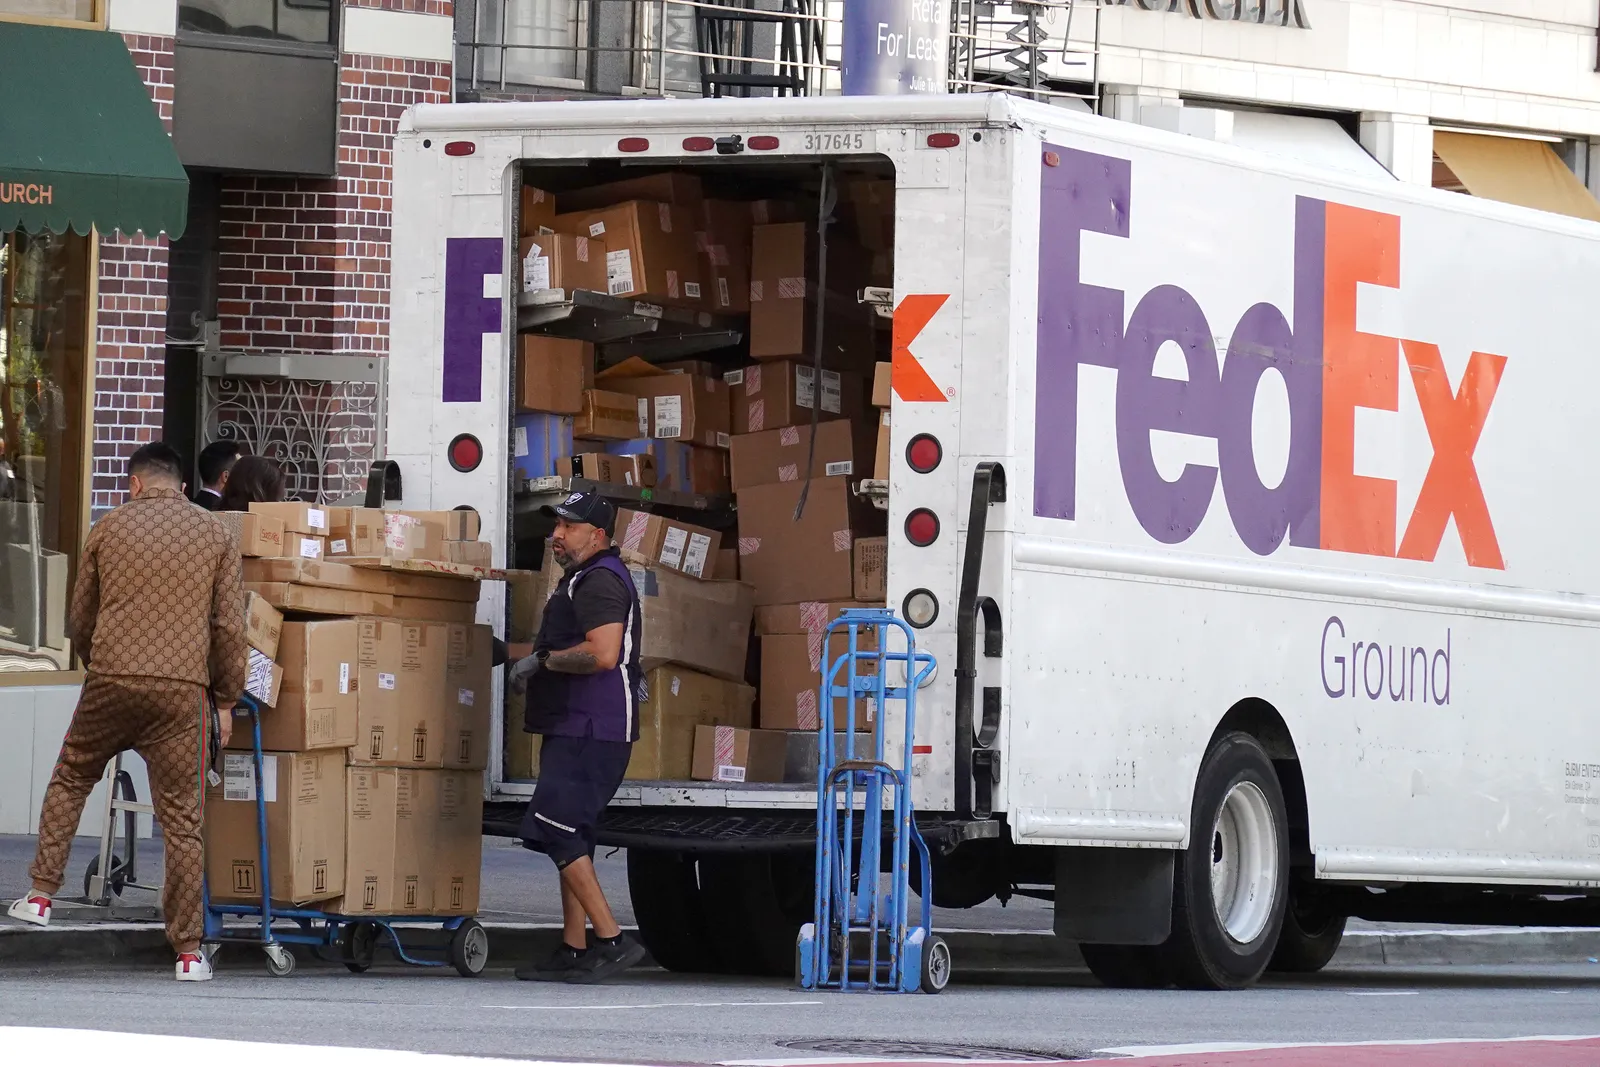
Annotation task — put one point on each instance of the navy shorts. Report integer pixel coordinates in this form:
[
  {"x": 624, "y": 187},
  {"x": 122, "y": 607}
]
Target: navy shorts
[{"x": 578, "y": 776}]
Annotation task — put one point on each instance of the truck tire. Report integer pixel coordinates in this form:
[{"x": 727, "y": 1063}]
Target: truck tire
[
  {"x": 1127, "y": 966},
  {"x": 1230, "y": 886},
  {"x": 1308, "y": 939},
  {"x": 665, "y": 888},
  {"x": 758, "y": 902}
]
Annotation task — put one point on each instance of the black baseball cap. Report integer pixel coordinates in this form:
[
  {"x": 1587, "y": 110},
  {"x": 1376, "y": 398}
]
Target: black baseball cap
[{"x": 591, "y": 508}]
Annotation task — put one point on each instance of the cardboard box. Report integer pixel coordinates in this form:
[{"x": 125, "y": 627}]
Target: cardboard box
[
  {"x": 540, "y": 442},
  {"x": 650, "y": 253},
  {"x": 263, "y": 625},
  {"x": 708, "y": 471},
  {"x": 679, "y": 701},
  {"x": 788, "y": 562},
  {"x": 471, "y": 553},
  {"x": 869, "y": 206},
  {"x": 455, "y": 801},
  {"x": 314, "y": 600},
  {"x": 871, "y": 568},
  {"x": 703, "y": 368},
  {"x": 551, "y": 372},
  {"x": 784, "y": 291},
  {"x": 683, "y": 407},
  {"x": 809, "y": 617},
  {"x": 641, "y": 472},
  {"x": 562, "y": 261},
  {"x": 468, "y": 696},
  {"x": 881, "y": 457},
  {"x": 400, "y": 708},
  {"x": 703, "y": 625},
  {"x": 782, "y": 393},
  {"x": 316, "y": 707},
  {"x": 460, "y": 524},
  {"x": 297, "y": 517},
  {"x": 362, "y": 535},
  {"x": 726, "y": 567},
  {"x": 405, "y": 536},
  {"x": 538, "y": 211},
  {"x": 304, "y": 546},
  {"x": 791, "y": 680},
  {"x": 388, "y": 843},
  {"x": 257, "y": 535},
  {"x": 521, "y": 748},
  {"x": 724, "y": 244},
  {"x": 263, "y": 679},
  {"x": 731, "y": 754},
  {"x": 671, "y": 187},
  {"x": 774, "y": 456},
  {"x": 526, "y": 591},
  {"x": 427, "y": 609},
  {"x": 671, "y": 461},
  {"x": 609, "y": 415},
  {"x": 304, "y": 795},
  {"x": 335, "y": 575},
  {"x": 767, "y": 212},
  {"x": 882, "y": 389},
  {"x": 657, "y": 539}
]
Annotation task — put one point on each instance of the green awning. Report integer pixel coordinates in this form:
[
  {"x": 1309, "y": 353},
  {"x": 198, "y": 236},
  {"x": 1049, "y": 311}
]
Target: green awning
[{"x": 81, "y": 144}]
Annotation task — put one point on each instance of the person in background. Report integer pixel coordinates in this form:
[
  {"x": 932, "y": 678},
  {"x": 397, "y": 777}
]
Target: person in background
[
  {"x": 158, "y": 617},
  {"x": 252, "y": 479},
  {"x": 216, "y": 461},
  {"x": 584, "y": 688}
]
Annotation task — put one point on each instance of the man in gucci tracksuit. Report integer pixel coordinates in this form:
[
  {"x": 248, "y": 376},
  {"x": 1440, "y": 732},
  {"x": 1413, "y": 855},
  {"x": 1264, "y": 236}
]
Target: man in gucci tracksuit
[
  {"x": 583, "y": 687},
  {"x": 158, "y": 618}
]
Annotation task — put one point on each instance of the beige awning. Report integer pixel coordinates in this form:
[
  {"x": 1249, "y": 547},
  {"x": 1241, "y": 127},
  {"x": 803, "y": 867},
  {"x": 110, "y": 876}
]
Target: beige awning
[{"x": 1512, "y": 170}]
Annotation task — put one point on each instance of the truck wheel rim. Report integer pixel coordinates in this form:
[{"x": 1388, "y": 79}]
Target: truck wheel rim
[{"x": 1244, "y": 863}]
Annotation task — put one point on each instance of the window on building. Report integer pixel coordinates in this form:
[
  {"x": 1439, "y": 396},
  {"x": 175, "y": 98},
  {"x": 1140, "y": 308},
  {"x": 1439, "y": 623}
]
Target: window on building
[
  {"x": 61, "y": 10},
  {"x": 284, "y": 21},
  {"x": 527, "y": 42},
  {"x": 44, "y": 362}
]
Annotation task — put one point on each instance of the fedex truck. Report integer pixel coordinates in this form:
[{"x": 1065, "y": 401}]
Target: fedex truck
[{"x": 1241, "y": 504}]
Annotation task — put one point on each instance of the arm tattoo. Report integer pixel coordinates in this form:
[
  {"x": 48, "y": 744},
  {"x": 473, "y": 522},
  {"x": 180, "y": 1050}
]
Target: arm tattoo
[{"x": 573, "y": 661}]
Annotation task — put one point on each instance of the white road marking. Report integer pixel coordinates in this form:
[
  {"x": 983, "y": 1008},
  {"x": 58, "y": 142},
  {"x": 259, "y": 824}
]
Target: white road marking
[
  {"x": 663, "y": 1004},
  {"x": 1381, "y": 992},
  {"x": 1203, "y": 1047}
]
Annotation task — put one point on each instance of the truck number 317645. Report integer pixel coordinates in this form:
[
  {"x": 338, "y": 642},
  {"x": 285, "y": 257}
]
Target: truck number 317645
[{"x": 836, "y": 142}]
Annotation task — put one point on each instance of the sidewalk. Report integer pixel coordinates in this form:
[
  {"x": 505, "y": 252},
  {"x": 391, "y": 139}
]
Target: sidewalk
[{"x": 520, "y": 903}]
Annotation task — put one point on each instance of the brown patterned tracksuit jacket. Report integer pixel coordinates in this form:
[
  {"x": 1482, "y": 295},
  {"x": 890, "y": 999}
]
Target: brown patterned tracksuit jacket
[{"x": 158, "y": 617}]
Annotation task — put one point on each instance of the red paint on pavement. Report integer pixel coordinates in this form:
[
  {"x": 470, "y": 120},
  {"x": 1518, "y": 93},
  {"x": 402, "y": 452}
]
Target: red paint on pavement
[{"x": 1583, "y": 1052}]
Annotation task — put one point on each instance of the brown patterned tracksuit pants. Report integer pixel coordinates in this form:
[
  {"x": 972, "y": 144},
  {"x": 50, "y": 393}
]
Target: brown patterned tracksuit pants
[{"x": 163, "y": 721}]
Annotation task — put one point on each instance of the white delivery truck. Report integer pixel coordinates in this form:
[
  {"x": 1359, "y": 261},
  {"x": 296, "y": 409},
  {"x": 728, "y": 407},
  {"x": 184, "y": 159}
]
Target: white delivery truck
[{"x": 1242, "y": 505}]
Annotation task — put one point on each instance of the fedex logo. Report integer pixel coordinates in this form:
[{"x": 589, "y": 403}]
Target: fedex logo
[{"x": 1328, "y": 367}]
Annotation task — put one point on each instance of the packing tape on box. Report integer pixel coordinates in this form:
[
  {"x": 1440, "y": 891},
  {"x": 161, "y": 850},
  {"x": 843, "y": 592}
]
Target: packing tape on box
[
  {"x": 814, "y": 618},
  {"x": 789, "y": 472},
  {"x": 755, "y": 291},
  {"x": 791, "y": 288},
  {"x": 789, "y": 436},
  {"x": 633, "y": 536},
  {"x": 722, "y": 745},
  {"x": 805, "y": 710},
  {"x": 758, "y": 416},
  {"x": 842, "y": 540},
  {"x": 752, "y": 381},
  {"x": 749, "y": 546}
]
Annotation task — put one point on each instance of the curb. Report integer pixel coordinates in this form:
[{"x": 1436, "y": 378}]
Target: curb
[{"x": 975, "y": 953}]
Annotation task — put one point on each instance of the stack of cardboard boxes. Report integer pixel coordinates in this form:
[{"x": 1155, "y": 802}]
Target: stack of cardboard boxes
[
  {"x": 734, "y": 422},
  {"x": 377, "y": 691}
]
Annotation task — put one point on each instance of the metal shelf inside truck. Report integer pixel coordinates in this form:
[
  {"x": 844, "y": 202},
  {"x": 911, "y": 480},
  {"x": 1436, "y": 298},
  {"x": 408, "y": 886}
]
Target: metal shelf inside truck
[
  {"x": 534, "y": 493},
  {"x": 626, "y": 327}
]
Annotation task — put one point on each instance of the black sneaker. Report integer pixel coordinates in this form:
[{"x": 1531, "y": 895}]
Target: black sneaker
[
  {"x": 556, "y": 968},
  {"x": 605, "y": 961}
]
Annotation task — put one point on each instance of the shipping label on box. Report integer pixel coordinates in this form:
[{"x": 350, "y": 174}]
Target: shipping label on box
[
  {"x": 263, "y": 625},
  {"x": 871, "y": 568},
  {"x": 304, "y": 797},
  {"x": 263, "y": 679},
  {"x": 686, "y": 548}
]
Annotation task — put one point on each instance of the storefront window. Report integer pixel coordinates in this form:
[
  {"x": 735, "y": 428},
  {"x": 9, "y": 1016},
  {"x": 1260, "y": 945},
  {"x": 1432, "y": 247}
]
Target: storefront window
[
  {"x": 44, "y": 306},
  {"x": 297, "y": 21},
  {"x": 65, "y": 10}
]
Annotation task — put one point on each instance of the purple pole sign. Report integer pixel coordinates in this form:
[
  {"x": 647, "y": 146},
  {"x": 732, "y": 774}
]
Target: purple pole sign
[{"x": 894, "y": 47}]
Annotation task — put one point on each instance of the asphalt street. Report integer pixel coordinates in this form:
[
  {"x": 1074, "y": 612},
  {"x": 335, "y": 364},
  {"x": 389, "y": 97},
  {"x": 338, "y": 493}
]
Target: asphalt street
[{"x": 652, "y": 1017}]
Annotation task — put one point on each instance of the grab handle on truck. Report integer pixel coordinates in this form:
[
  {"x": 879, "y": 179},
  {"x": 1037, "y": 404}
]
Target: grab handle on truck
[{"x": 974, "y": 794}]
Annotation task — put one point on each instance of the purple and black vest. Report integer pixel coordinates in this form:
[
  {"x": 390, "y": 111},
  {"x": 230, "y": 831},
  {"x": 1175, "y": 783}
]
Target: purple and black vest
[{"x": 604, "y": 706}]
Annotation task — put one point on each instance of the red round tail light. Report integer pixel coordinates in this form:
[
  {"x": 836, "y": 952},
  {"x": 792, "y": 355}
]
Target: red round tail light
[
  {"x": 466, "y": 452},
  {"x": 922, "y": 527},
  {"x": 460, "y": 148},
  {"x": 924, "y": 453},
  {"x": 943, "y": 140}
]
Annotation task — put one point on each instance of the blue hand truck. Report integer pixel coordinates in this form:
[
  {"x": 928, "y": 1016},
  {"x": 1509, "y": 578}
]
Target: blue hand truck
[
  {"x": 356, "y": 938},
  {"x": 860, "y": 937}
]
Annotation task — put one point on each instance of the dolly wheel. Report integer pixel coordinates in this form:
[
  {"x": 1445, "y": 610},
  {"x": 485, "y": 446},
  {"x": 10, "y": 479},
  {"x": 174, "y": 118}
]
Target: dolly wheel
[
  {"x": 116, "y": 882},
  {"x": 280, "y": 961},
  {"x": 936, "y": 965},
  {"x": 469, "y": 949}
]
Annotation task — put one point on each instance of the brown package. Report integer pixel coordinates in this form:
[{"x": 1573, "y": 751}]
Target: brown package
[
  {"x": 263, "y": 679},
  {"x": 309, "y": 519},
  {"x": 680, "y": 700},
  {"x": 455, "y": 801},
  {"x": 880, "y": 459},
  {"x": 657, "y": 539},
  {"x": 316, "y": 705},
  {"x": 650, "y": 252},
  {"x": 871, "y": 568},
  {"x": 791, "y": 679},
  {"x": 774, "y": 456},
  {"x": 701, "y": 624},
  {"x": 870, "y": 206},
  {"x": 388, "y": 843},
  {"x": 400, "y": 706},
  {"x": 682, "y": 407},
  {"x": 538, "y": 211},
  {"x": 608, "y": 415},
  {"x": 468, "y": 696},
  {"x": 263, "y": 625},
  {"x": 732, "y": 754},
  {"x": 783, "y": 291},
  {"x": 257, "y": 535},
  {"x": 788, "y": 562},
  {"x": 882, "y": 388},
  {"x": 808, "y": 617},
  {"x": 552, "y": 372},
  {"x": 727, "y": 566},
  {"x": 708, "y": 470},
  {"x": 781, "y": 393},
  {"x": 671, "y": 187},
  {"x": 305, "y": 801},
  {"x": 561, "y": 261},
  {"x": 724, "y": 244}
]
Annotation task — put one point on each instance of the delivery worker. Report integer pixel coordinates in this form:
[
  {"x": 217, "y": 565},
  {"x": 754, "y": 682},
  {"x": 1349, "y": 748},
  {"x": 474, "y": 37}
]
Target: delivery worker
[
  {"x": 583, "y": 686},
  {"x": 158, "y": 617}
]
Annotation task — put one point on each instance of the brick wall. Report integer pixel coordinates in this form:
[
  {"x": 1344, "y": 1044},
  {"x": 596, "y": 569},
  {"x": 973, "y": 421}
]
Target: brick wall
[{"x": 130, "y": 334}]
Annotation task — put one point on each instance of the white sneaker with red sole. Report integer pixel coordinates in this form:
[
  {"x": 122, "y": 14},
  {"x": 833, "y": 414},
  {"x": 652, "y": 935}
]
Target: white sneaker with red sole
[
  {"x": 34, "y": 910},
  {"x": 194, "y": 967}
]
